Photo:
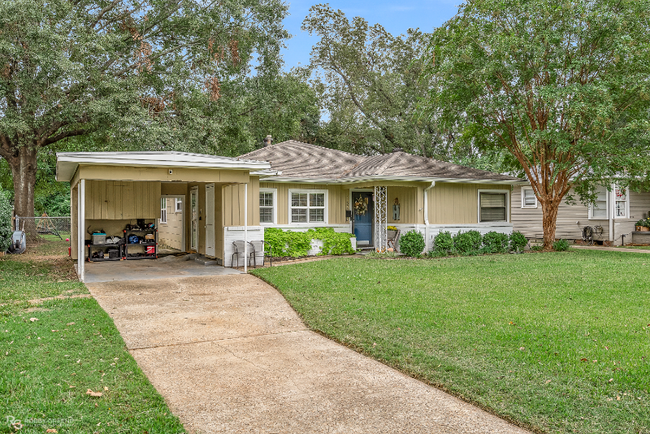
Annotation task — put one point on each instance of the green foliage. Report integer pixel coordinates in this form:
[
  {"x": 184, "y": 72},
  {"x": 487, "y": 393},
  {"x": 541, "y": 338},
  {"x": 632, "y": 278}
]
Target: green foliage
[
  {"x": 153, "y": 75},
  {"x": 568, "y": 101},
  {"x": 643, "y": 222},
  {"x": 412, "y": 244},
  {"x": 468, "y": 243},
  {"x": 443, "y": 244},
  {"x": 297, "y": 244},
  {"x": 370, "y": 82},
  {"x": 5, "y": 220},
  {"x": 561, "y": 245},
  {"x": 517, "y": 242},
  {"x": 495, "y": 242}
]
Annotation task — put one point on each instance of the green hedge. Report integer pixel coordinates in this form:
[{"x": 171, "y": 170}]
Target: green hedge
[
  {"x": 279, "y": 243},
  {"x": 473, "y": 243}
]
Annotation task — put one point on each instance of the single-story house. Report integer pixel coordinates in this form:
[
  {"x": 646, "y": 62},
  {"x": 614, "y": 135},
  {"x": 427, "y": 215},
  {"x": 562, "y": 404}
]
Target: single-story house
[
  {"x": 289, "y": 185},
  {"x": 611, "y": 218}
]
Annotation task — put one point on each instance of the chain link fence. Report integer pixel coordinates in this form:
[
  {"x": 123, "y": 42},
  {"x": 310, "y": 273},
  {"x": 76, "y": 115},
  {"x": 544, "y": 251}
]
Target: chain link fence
[{"x": 45, "y": 225}]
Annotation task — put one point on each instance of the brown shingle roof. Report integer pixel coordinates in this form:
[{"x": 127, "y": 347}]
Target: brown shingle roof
[{"x": 310, "y": 162}]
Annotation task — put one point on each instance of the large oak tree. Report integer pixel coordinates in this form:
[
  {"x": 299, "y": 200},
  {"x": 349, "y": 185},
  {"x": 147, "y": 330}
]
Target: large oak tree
[
  {"x": 141, "y": 73},
  {"x": 564, "y": 87}
]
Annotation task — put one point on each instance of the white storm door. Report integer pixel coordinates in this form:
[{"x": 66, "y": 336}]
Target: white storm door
[
  {"x": 209, "y": 220},
  {"x": 194, "y": 210}
]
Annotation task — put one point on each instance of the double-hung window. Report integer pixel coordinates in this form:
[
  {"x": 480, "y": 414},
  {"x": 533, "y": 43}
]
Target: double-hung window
[
  {"x": 493, "y": 206},
  {"x": 598, "y": 210},
  {"x": 178, "y": 205},
  {"x": 621, "y": 203},
  {"x": 528, "y": 198},
  {"x": 308, "y": 206},
  {"x": 267, "y": 206}
]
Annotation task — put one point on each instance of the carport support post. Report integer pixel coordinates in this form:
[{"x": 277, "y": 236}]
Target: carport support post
[
  {"x": 81, "y": 225},
  {"x": 245, "y": 228}
]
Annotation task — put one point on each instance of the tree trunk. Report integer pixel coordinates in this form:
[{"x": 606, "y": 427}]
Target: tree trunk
[
  {"x": 549, "y": 222},
  {"x": 23, "y": 167}
]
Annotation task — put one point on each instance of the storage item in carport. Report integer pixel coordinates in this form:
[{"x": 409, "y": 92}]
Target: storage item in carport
[
  {"x": 113, "y": 253},
  {"x": 151, "y": 250},
  {"x": 149, "y": 237},
  {"x": 99, "y": 238},
  {"x": 98, "y": 255},
  {"x": 134, "y": 239}
]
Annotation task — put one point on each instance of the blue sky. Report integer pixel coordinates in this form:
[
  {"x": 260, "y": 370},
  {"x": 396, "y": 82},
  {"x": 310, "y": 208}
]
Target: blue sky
[{"x": 396, "y": 17}]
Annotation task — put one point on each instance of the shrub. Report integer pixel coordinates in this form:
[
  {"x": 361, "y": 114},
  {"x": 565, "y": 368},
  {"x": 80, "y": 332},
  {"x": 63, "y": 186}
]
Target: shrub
[
  {"x": 495, "y": 242},
  {"x": 411, "y": 244},
  {"x": 443, "y": 244},
  {"x": 517, "y": 242},
  {"x": 5, "y": 220},
  {"x": 561, "y": 245},
  {"x": 297, "y": 244},
  {"x": 468, "y": 243}
]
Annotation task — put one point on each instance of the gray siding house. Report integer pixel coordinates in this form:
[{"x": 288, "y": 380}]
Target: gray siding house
[{"x": 612, "y": 217}]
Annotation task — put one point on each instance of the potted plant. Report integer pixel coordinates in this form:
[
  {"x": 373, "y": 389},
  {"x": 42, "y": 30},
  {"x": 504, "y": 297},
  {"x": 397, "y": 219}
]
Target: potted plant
[
  {"x": 643, "y": 225},
  {"x": 392, "y": 231}
]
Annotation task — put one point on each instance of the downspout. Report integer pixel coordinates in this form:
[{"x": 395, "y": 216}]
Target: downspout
[{"x": 426, "y": 214}]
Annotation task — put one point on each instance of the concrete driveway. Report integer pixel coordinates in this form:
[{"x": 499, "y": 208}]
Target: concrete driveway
[{"x": 231, "y": 356}]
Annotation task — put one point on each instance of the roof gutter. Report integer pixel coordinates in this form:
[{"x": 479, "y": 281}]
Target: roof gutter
[{"x": 426, "y": 214}]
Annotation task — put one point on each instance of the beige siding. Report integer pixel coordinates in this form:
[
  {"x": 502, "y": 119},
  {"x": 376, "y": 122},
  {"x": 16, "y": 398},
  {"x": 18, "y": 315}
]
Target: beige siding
[
  {"x": 337, "y": 199},
  {"x": 233, "y": 204},
  {"x": 179, "y": 174},
  {"x": 408, "y": 200},
  {"x": 451, "y": 203},
  {"x": 122, "y": 200},
  {"x": 170, "y": 234},
  {"x": 570, "y": 219}
]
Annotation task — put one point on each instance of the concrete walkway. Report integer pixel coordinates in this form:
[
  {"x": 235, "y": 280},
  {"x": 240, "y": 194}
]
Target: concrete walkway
[
  {"x": 611, "y": 249},
  {"x": 231, "y": 356}
]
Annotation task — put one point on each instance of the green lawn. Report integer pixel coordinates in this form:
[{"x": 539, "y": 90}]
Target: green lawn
[
  {"x": 558, "y": 342},
  {"x": 53, "y": 351}
]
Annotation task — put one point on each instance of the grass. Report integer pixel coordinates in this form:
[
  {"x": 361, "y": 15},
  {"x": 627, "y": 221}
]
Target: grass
[
  {"x": 556, "y": 342},
  {"x": 53, "y": 350}
]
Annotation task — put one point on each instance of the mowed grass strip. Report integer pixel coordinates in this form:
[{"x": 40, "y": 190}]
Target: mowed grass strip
[
  {"x": 52, "y": 352},
  {"x": 558, "y": 342}
]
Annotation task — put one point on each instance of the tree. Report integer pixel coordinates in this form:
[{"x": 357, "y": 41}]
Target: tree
[
  {"x": 129, "y": 72},
  {"x": 562, "y": 87},
  {"x": 370, "y": 83}
]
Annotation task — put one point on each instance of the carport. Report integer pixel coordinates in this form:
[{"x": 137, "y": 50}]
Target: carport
[{"x": 112, "y": 190}]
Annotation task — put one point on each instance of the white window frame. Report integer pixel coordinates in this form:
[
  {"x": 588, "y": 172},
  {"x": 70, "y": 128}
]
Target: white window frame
[
  {"x": 607, "y": 204},
  {"x": 523, "y": 197},
  {"x": 626, "y": 201},
  {"x": 163, "y": 210},
  {"x": 178, "y": 205},
  {"x": 275, "y": 206},
  {"x": 506, "y": 193},
  {"x": 308, "y": 191}
]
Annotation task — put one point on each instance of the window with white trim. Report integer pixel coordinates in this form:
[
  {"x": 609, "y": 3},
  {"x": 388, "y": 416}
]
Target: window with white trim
[
  {"x": 621, "y": 203},
  {"x": 598, "y": 209},
  {"x": 493, "y": 206},
  {"x": 163, "y": 210},
  {"x": 267, "y": 206},
  {"x": 178, "y": 205},
  {"x": 528, "y": 198},
  {"x": 308, "y": 206}
]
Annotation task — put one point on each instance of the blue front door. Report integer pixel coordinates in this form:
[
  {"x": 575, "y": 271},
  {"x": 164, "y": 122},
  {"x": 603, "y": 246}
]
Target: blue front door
[{"x": 362, "y": 210}]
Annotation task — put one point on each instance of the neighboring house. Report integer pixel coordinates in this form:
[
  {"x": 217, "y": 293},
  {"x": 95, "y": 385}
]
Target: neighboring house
[
  {"x": 321, "y": 187},
  {"x": 612, "y": 216},
  {"x": 290, "y": 185}
]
